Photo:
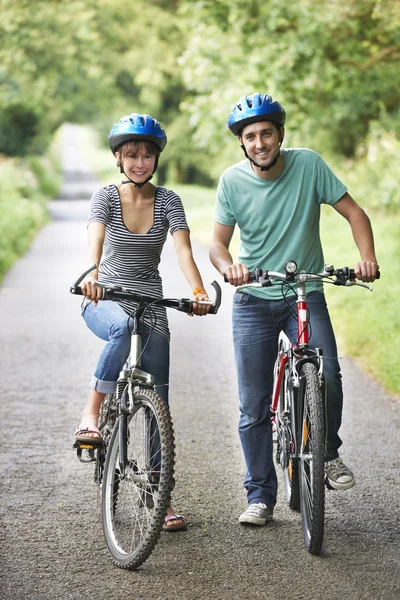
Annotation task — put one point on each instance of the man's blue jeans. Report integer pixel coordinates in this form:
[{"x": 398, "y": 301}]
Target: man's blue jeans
[
  {"x": 256, "y": 327},
  {"x": 110, "y": 323}
]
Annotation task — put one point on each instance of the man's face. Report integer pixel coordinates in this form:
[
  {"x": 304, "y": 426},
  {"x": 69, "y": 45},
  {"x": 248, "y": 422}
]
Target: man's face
[{"x": 261, "y": 141}]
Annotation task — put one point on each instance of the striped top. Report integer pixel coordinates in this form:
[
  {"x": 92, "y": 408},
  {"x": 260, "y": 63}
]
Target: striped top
[{"x": 131, "y": 260}]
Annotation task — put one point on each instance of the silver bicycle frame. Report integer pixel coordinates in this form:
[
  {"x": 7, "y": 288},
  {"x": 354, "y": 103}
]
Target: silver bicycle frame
[{"x": 131, "y": 370}]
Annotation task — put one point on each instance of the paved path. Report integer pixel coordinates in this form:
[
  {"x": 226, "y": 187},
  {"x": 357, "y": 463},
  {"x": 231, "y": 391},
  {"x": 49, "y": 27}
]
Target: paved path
[{"x": 51, "y": 540}]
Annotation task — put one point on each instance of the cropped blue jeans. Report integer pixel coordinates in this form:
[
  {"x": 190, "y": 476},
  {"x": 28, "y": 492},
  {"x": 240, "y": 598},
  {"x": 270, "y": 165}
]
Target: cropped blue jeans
[
  {"x": 256, "y": 327},
  {"x": 111, "y": 323}
]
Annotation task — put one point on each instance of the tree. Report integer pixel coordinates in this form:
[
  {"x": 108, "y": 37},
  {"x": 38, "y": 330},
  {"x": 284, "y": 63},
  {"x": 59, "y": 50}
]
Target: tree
[
  {"x": 53, "y": 68},
  {"x": 332, "y": 64}
]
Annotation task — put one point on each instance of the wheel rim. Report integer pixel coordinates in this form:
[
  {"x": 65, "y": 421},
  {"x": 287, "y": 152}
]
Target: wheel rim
[{"x": 131, "y": 499}]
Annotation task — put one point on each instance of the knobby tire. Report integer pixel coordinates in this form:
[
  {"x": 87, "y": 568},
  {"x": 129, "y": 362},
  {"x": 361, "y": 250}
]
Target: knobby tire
[
  {"x": 312, "y": 431},
  {"x": 134, "y": 504}
]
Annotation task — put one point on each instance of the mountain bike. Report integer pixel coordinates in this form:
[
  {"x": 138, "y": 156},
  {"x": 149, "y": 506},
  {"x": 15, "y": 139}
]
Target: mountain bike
[
  {"x": 298, "y": 400},
  {"x": 135, "y": 457}
]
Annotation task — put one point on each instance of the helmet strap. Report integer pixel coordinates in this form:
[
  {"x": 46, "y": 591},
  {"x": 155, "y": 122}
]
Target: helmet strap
[
  {"x": 259, "y": 166},
  {"x": 273, "y": 162},
  {"x": 139, "y": 185}
]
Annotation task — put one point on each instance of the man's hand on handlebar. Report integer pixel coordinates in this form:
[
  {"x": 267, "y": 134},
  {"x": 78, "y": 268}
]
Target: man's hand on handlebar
[
  {"x": 366, "y": 271},
  {"x": 237, "y": 274}
]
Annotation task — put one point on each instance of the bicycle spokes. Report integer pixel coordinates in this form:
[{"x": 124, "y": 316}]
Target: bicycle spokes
[{"x": 135, "y": 499}]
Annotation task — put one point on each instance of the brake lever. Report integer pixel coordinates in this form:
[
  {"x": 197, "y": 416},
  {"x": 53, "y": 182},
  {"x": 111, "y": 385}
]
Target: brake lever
[{"x": 363, "y": 285}]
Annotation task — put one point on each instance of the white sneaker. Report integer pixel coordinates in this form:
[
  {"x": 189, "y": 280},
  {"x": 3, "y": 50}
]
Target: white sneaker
[
  {"x": 338, "y": 475},
  {"x": 257, "y": 514}
]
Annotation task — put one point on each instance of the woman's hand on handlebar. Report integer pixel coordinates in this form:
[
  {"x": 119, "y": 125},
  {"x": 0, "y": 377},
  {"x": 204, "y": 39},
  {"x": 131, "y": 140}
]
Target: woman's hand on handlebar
[
  {"x": 366, "y": 270},
  {"x": 89, "y": 289},
  {"x": 200, "y": 310},
  {"x": 237, "y": 274}
]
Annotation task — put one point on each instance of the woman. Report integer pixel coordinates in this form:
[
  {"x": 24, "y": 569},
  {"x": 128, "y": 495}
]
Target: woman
[{"x": 127, "y": 228}]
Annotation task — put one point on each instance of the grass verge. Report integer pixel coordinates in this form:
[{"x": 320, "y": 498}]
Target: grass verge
[
  {"x": 25, "y": 187},
  {"x": 367, "y": 324}
]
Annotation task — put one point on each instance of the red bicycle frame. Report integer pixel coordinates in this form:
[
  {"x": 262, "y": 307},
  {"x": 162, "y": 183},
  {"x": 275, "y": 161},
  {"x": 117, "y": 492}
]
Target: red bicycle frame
[{"x": 302, "y": 343}]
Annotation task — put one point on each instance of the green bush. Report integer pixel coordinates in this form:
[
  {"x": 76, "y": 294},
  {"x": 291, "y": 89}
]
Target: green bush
[
  {"x": 19, "y": 126},
  {"x": 25, "y": 186}
]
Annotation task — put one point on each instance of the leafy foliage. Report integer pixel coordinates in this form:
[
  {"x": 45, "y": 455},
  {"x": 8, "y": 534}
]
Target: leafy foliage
[
  {"x": 53, "y": 68},
  {"x": 333, "y": 66},
  {"x": 25, "y": 186}
]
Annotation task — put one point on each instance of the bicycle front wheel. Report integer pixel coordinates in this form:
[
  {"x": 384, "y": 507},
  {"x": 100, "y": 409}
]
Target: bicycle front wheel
[
  {"x": 312, "y": 487},
  {"x": 135, "y": 501}
]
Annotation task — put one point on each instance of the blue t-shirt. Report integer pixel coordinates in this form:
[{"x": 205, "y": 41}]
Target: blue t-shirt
[{"x": 279, "y": 219}]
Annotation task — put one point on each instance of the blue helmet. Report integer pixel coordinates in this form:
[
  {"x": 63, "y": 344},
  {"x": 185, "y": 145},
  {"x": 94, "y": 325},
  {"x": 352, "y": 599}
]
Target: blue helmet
[
  {"x": 258, "y": 107},
  {"x": 141, "y": 128}
]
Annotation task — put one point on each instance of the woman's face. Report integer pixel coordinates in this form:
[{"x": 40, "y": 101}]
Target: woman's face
[{"x": 137, "y": 160}]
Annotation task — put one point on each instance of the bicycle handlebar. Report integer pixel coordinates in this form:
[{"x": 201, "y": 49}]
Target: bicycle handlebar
[
  {"x": 114, "y": 292},
  {"x": 265, "y": 278}
]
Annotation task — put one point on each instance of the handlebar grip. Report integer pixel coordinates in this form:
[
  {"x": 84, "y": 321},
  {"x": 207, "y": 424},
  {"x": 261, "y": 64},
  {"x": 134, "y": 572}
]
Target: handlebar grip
[
  {"x": 253, "y": 275},
  {"x": 353, "y": 276},
  {"x": 76, "y": 290}
]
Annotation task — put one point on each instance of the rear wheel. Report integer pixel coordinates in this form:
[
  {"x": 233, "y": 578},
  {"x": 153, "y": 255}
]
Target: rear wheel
[
  {"x": 135, "y": 501},
  {"x": 312, "y": 488},
  {"x": 290, "y": 462},
  {"x": 286, "y": 451}
]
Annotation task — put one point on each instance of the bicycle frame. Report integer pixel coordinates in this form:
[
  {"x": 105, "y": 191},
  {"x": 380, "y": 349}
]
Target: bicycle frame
[
  {"x": 134, "y": 376},
  {"x": 292, "y": 356},
  {"x": 132, "y": 370}
]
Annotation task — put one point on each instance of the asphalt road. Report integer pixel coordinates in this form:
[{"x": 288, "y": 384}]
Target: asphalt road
[{"x": 51, "y": 540}]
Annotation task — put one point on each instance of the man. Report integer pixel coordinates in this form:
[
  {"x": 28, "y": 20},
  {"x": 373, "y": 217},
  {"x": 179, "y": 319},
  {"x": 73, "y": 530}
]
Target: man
[{"x": 274, "y": 197}]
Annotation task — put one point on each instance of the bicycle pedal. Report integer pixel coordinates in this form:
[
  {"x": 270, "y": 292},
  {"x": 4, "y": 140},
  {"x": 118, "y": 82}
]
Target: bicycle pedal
[
  {"x": 90, "y": 443},
  {"x": 85, "y": 451}
]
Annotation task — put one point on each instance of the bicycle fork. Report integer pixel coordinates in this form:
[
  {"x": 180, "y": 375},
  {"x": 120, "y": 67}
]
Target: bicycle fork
[{"x": 134, "y": 376}]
